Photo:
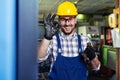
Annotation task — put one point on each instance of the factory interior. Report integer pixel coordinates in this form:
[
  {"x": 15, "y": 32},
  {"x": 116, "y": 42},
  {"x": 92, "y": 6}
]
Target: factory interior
[
  {"x": 23, "y": 28},
  {"x": 93, "y": 21}
]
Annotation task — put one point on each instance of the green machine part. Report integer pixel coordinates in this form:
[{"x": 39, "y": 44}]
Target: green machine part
[
  {"x": 104, "y": 54},
  {"x": 111, "y": 59}
]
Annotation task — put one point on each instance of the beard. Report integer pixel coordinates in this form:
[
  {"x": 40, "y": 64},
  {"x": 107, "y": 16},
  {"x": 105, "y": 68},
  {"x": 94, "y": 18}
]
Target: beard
[{"x": 68, "y": 32}]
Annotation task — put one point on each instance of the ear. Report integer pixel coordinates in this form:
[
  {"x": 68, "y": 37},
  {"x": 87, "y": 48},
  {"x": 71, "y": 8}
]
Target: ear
[
  {"x": 75, "y": 20},
  {"x": 58, "y": 18}
]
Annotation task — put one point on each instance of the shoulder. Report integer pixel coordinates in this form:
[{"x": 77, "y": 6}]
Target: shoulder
[
  {"x": 55, "y": 37},
  {"x": 84, "y": 37},
  {"x": 84, "y": 41}
]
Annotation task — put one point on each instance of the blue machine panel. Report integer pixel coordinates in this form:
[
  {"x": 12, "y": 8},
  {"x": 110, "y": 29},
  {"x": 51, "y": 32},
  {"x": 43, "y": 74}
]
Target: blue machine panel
[{"x": 7, "y": 40}]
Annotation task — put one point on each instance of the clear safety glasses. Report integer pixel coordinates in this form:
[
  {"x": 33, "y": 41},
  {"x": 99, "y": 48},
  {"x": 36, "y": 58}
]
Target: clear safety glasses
[{"x": 65, "y": 19}]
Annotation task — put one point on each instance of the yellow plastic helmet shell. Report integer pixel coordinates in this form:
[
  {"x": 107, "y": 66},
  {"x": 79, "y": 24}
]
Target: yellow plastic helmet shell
[{"x": 67, "y": 9}]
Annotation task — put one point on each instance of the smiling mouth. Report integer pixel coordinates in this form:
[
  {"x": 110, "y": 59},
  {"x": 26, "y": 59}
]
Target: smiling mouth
[{"x": 67, "y": 28}]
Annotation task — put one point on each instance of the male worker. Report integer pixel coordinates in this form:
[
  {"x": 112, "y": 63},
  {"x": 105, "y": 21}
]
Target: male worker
[{"x": 66, "y": 47}]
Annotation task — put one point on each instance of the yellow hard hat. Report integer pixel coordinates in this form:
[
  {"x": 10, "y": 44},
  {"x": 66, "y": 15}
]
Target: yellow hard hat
[{"x": 67, "y": 9}]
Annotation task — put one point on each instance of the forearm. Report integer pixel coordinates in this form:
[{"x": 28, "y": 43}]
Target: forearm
[
  {"x": 95, "y": 63},
  {"x": 42, "y": 48}
]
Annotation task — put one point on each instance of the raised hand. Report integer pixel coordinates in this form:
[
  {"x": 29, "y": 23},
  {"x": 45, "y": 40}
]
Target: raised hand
[{"x": 51, "y": 26}]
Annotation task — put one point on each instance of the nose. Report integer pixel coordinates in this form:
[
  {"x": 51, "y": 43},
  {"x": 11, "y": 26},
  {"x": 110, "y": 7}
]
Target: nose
[{"x": 67, "y": 22}]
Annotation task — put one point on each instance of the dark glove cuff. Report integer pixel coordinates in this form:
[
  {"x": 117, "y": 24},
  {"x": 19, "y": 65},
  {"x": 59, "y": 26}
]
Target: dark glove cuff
[
  {"x": 91, "y": 57},
  {"x": 48, "y": 38}
]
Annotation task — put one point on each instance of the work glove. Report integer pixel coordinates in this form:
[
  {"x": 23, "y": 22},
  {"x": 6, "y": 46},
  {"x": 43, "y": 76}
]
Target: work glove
[
  {"x": 51, "y": 26},
  {"x": 90, "y": 53}
]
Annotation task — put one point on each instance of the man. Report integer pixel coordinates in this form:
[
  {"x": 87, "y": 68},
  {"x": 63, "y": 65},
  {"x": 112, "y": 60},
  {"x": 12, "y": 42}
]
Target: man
[{"x": 66, "y": 47}]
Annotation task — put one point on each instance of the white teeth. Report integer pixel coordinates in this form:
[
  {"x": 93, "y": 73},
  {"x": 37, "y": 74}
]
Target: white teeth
[{"x": 67, "y": 28}]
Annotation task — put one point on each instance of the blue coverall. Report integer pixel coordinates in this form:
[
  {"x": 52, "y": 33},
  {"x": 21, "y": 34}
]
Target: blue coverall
[{"x": 68, "y": 68}]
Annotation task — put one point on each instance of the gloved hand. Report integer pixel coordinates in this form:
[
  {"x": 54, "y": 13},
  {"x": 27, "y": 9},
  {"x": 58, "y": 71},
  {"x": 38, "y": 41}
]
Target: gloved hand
[
  {"x": 90, "y": 52},
  {"x": 51, "y": 27}
]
